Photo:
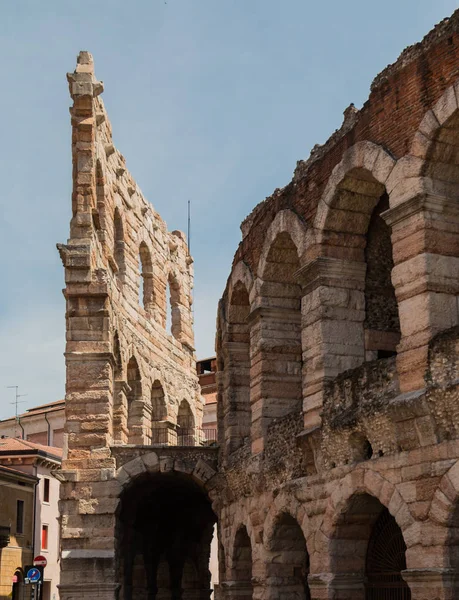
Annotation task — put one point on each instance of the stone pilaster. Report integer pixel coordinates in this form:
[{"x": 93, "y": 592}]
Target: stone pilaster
[
  {"x": 425, "y": 237},
  {"x": 333, "y": 312},
  {"x": 432, "y": 584},
  {"x": 275, "y": 373},
  {"x": 236, "y": 395}
]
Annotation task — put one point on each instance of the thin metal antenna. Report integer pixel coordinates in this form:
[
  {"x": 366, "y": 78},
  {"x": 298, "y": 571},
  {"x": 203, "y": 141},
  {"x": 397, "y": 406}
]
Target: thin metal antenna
[
  {"x": 16, "y": 401},
  {"x": 189, "y": 226}
]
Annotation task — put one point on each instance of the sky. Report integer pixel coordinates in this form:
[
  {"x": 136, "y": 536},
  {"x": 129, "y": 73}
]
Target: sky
[{"x": 211, "y": 101}]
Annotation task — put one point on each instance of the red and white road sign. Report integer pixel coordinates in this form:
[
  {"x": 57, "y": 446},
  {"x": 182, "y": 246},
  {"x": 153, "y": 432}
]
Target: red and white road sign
[{"x": 40, "y": 561}]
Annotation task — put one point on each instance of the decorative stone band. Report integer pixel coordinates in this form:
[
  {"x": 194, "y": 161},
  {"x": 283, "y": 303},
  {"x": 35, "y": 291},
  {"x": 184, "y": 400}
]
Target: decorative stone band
[
  {"x": 422, "y": 202},
  {"x": 333, "y": 272},
  {"x": 275, "y": 314}
]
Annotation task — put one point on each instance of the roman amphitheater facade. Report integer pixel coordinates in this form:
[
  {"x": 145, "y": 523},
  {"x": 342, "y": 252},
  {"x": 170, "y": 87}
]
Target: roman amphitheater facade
[{"x": 337, "y": 470}]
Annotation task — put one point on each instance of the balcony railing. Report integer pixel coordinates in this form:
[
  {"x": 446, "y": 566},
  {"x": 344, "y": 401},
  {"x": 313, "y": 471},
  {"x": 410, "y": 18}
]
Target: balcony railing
[{"x": 194, "y": 436}]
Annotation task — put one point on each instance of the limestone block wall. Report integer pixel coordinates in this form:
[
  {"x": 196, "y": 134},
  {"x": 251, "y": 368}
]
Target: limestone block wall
[
  {"x": 338, "y": 359},
  {"x": 130, "y": 380}
]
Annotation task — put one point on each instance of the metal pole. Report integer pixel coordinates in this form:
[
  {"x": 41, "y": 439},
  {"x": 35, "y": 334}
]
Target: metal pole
[{"x": 189, "y": 226}]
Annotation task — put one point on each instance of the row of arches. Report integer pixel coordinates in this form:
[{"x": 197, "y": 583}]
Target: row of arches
[
  {"x": 160, "y": 297},
  {"x": 142, "y": 418},
  {"x": 271, "y": 326},
  {"x": 372, "y": 275},
  {"x": 367, "y": 557}
]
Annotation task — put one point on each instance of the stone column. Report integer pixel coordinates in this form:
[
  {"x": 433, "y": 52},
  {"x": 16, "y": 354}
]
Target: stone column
[
  {"x": 275, "y": 373},
  {"x": 425, "y": 238},
  {"x": 333, "y": 312},
  {"x": 236, "y": 395},
  {"x": 120, "y": 413},
  {"x": 432, "y": 584}
]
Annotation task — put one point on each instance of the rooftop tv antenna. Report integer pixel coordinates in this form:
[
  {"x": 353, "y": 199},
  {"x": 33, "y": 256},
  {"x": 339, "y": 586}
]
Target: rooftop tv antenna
[
  {"x": 189, "y": 226},
  {"x": 16, "y": 402}
]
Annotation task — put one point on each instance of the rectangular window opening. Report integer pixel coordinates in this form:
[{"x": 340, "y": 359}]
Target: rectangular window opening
[
  {"x": 45, "y": 489},
  {"x": 20, "y": 516},
  {"x": 44, "y": 537}
]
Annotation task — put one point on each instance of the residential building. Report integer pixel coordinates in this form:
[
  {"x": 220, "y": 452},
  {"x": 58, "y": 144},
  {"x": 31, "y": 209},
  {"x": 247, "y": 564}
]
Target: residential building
[
  {"x": 17, "y": 495},
  {"x": 38, "y": 462}
]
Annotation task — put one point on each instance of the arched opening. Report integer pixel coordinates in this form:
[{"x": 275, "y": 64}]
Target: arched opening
[
  {"x": 118, "y": 242},
  {"x": 173, "y": 309},
  {"x": 186, "y": 431},
  {"x": 276, "y": 353},
  {"x": 168, "y": 322},
  {"x": 18, "y": 585},
  {"x": 146, "y": 289},
  {"x": 236, "y": 408},
  {"x": 355, "y": 232},
  {"x": 120, "y": 403},
  {"x": 289, "y": 569},
  {"x": 136, "y": 406},
  {"x": 159, "y": 424},
  {"x": 242, "y": 566},
  {"x": 164, "y": 532},
  {"x": 368, "y": 550},
  {"x": 382, "y": 324}
]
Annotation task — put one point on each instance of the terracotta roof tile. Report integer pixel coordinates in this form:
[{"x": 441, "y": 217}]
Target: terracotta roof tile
[{"x": 8, "y": 444}]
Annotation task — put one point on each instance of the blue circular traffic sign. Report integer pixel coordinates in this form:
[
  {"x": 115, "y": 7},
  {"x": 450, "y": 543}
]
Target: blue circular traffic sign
[{"x": 33, "y": 575}]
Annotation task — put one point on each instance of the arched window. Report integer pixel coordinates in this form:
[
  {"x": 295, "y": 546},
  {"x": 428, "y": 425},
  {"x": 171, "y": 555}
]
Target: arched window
[
  {"x": 382, "y": 325},
  {"x": 159, "y": 428},
  {"x": 118, "y": 242},
  {"x": 276, "y": 328},
  {"x": 186, "y": 433},
  {"x": 236, "y": 409},
  {"x": 173, "y": 314},
  {"x": 146, "y": 289},
  {"x": 136, "y": 407}
]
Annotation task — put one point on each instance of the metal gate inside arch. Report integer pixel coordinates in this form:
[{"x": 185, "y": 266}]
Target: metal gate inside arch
[{"x": 385, "y": 561}]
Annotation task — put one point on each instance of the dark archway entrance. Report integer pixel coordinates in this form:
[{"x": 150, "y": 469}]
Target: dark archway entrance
[
  {"x": 368, "y": 552},
  {"x": 386, "y": 560},
  {"x": 164, "y": 531}
]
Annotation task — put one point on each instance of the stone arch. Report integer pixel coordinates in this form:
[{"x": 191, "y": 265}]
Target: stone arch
[
  {"x": 236, "y": 352},
  {"x": 241, "y": 564},
  {"x": 287, "y": 556},
  {"x": 286, "y": 503},
  {"x": 285, "y": 221},
  {"x": 423, "y": 201},
  {"x": 120, "y": 401},
  {"x": 164, "y": 528},
  {"x": 146, "y": 285},
  {"x": 362, "y": 157},
  {"x": 275, "y": 331},
  {"x": 161, "y": 433},
  {"x": 136, "y": 407},
  {"x": 360, "y": 482},
  {"x": 241, "y": 274},
  {"x": 186, "y": 424},
  {"x": 356, "y": 261},
  {"x": 367, "y": 550},
  {"x": 352, "y": 511}
]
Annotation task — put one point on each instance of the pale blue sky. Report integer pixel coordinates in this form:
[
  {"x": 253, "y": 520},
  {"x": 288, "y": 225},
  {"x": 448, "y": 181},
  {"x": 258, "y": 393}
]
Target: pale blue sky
[{"x": 210, "y": 100}]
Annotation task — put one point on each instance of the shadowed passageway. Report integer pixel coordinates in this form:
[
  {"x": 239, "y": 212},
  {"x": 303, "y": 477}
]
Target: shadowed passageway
[{"x": 164, "y": 530}]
